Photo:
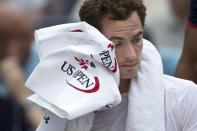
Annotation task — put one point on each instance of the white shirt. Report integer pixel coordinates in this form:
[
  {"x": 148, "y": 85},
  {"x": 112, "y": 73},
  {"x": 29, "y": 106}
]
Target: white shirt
[
  {"x": 180, "y": 111},
  {"x": 180, "y": 107}
]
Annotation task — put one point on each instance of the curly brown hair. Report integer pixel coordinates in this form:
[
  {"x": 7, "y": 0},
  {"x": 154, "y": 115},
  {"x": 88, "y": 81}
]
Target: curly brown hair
[{"x": 94, "y": 11}]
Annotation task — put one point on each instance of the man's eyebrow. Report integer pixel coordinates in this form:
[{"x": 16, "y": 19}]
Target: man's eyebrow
[
  {"x": 139, "y": 33},
  {"x": 120, "y": 38},
  {"x": 116, "y": 38}
]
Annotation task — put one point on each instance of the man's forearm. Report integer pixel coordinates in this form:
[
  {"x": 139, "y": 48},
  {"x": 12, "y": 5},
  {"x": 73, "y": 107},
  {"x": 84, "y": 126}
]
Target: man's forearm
[
  {"x": 187, "y": 70},
  {"x": 187, "y": 67}
]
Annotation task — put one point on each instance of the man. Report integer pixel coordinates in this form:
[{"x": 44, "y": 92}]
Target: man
[
  {"x": 122, "y": 22},
  {"x": 187, "y": 67},
  {"x": 16, "y": 35}
]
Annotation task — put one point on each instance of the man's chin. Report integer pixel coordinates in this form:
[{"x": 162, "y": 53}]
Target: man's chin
[
  {"x": 130, "y": 76},
  {"x": 128, "y": 73}
]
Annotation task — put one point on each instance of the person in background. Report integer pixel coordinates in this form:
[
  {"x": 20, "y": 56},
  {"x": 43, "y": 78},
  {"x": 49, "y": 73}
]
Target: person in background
[
  {"x": 57, "y": 12},
  {"x": 16, "y": 35},
  {"x": 167, "y": 32},
  {"x": 187, "y": 66}
]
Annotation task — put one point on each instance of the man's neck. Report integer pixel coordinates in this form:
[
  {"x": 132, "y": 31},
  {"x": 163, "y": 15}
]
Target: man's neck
[{"x": 124, "y": 85}]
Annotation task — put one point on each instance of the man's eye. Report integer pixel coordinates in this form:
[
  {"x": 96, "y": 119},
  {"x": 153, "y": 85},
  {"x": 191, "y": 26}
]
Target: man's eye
[
  {"x": 117, "y": 43},
  {"x": 136, "y": 40}
]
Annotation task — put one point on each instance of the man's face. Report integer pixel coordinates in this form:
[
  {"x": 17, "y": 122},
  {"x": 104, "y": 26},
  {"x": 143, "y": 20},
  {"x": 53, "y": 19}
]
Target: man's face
[
  {"x": 127, "y": 37},
  {"x": 16, "y": 34}
]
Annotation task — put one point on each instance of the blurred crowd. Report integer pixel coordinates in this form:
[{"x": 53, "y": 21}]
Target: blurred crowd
[{"x": 18, "y": 55}]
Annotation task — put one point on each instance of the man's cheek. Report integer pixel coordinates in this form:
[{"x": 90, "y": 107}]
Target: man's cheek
[{"x": 118, "y": 57}]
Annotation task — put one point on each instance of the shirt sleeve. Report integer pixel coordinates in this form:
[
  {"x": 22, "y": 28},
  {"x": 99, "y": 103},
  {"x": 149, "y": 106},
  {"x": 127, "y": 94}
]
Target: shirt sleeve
[
  {"x": 193, "y": 14},
  {"x": 188, "y": 113},
  {"x": 51, "y": 122}
]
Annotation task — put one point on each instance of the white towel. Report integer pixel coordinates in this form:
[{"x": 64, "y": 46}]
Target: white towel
[
  {"x": 77, "y": 73},
  {"x": 146, "y": 111},
  {"x": 146, "y": 95}
]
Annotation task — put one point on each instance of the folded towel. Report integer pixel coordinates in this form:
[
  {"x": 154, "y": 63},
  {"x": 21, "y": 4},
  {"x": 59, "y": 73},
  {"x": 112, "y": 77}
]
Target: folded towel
[{"x": 77, "y": 73}]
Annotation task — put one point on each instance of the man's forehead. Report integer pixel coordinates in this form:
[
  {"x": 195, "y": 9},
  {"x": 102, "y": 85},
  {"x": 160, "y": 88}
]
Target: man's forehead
[
  {"x": 130, "y": 28},
  {"x": 131, "y": 23},
  {"x": 120, "y": 36}
]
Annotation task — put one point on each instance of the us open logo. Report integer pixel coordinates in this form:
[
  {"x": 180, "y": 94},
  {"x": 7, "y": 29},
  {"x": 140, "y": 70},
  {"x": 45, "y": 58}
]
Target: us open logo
[
  {"x": 107, "y": 59},
  {"x": 105, "y": 56},
  {"x": 78, "y": 78}
]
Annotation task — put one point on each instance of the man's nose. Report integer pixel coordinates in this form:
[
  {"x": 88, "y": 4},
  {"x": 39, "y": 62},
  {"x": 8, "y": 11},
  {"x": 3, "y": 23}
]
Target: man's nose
[{"x": 129, "y": 52}]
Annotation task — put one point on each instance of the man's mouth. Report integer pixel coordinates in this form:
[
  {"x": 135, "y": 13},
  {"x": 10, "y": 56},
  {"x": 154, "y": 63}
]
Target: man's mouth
[{"x": 129, "y": 65}]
